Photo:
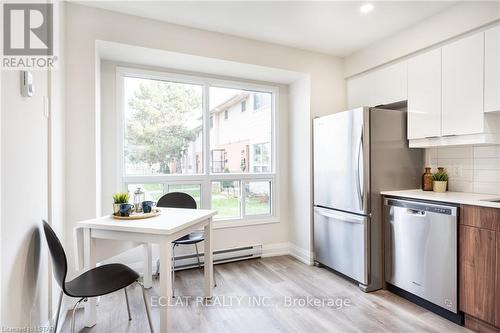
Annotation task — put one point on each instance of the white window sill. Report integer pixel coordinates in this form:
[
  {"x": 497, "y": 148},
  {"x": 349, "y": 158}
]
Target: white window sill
[{"x": 234, "y": 223}]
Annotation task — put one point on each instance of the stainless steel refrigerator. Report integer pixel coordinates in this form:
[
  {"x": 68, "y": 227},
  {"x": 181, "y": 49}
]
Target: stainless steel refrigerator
[{"x": 357, "y": 154}]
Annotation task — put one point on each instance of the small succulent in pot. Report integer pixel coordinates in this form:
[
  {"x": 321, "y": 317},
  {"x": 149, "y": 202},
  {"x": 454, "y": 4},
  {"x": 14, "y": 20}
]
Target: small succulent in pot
[
  {"x": 439, "y": 181},
  {"x": 118, "y": 199}
]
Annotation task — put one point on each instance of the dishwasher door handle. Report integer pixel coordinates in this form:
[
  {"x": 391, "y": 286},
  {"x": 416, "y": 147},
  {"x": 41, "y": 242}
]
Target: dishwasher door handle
[
  {"x": 427, "y": 207},
  {"x": 416, "y": 212}
]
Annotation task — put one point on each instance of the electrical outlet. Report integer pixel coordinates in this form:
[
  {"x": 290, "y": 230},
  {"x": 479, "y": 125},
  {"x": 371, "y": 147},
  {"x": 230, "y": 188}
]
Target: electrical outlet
[{"x": 456, "y": 171}]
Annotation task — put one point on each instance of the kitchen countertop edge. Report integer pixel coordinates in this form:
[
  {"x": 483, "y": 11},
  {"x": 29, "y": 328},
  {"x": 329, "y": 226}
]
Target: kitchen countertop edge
[{"x": 462, "y": 198}]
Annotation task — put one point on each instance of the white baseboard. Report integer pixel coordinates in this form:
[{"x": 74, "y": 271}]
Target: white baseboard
[
  {"x": 281, "y": 249},
  {"x": 276, "y": 249},
  {"x": 301, "y": 254}
]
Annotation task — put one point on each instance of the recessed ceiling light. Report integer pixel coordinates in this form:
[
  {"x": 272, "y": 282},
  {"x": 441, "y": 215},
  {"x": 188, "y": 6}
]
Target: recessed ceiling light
[{"x": 366, "y": 8}]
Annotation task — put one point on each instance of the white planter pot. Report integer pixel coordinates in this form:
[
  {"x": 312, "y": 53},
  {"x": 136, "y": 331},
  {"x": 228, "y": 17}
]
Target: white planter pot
[
  {"x": 116, "y": 209},
  {"x": 439, "y": 186}
]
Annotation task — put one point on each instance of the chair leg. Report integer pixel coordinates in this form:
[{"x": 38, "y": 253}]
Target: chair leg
[
  {"x": 58, "y": 311},
  {"x": 148, "y": 313},
  {"x": 73, "y": 316},
  {"x": 199, "y": 264},
  {"x": 128, "y": 306},
  {"x": 197, "y": 255},
  {"x": 173, "y": 270}
]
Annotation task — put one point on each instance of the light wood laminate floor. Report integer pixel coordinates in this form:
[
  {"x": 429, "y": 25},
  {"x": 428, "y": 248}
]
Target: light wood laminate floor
[{"x": 274, "y": 282}]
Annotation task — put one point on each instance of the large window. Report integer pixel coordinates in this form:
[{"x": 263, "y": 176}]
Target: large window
[{"x": 189, "y": 134}]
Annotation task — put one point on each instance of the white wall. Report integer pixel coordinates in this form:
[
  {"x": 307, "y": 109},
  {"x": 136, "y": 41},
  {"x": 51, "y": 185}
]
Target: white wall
[
  {"x": 457, "y": 20},
  {"x": 25, "y": 275},
  {"x": 57, "y": 142},
  {"x": 1, "y": 201},
  {"x": 32, "y": 189},
  {"x": 300, "y": 129},
  {"x": 86, "y": 25}
]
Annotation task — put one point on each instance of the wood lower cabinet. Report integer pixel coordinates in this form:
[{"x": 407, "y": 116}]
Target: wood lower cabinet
[
  {"x": 479, "y": 267},
  {"x": 497, "y": 289},
  {"x": 477, "y": 272}
]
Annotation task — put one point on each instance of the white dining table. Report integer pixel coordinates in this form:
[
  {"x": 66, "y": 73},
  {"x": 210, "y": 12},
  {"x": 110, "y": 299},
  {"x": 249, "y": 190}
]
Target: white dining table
[{"x": 170, "y": 225}]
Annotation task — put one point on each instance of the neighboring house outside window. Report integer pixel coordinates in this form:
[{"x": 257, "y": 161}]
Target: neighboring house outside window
[
  {"x": 260, "y": 101},
  {"x": 218, "y": 160},
  {"x": 261, "y": 157}
]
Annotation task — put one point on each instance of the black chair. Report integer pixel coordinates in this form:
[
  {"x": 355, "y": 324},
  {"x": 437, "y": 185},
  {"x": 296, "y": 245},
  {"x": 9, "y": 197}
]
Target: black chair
[
  {"x": 181, "y": 200},
  {"x": 98, "y": 281}
]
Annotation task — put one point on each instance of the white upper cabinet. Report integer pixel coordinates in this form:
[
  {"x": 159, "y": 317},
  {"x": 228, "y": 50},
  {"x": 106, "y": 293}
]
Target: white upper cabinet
[
  {"x": 384, "y": 86},
  {"x": 453, "y": 91},
  {"x": 360, "y": 91},
  {"x": 463, "y": 86},
  {"x": 391, "y": 83},
  {"x": 492, "y": 70},
  {"x": 424, "y": 95}
]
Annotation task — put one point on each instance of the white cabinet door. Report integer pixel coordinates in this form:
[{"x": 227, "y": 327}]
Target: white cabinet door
[
  {"x": 462, "y": 86},
  {"x": 391, "y": 84},
  {"x": 492, "y": 70},
  {"x": 424, "y": 95},
  {"x": 360, "y": 91},
  {"x": 382, "y": 86}
]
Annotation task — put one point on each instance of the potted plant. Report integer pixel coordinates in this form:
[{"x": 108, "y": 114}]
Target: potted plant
[
  {"x": 118, "y": 199},
  {"x": 439, "y": 181}
]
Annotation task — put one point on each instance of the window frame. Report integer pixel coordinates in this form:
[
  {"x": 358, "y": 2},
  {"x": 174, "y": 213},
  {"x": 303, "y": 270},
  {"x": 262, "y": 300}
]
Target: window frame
[{"x": 205, "y": 178}]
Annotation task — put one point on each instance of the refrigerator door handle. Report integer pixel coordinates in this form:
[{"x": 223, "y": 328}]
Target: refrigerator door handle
[
  {"x": 340, "y": 216},
  {"x": 359, "y": 173}
]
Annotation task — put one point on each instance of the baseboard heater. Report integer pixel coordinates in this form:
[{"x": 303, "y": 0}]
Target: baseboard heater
[{"x": 186, "y": 261}]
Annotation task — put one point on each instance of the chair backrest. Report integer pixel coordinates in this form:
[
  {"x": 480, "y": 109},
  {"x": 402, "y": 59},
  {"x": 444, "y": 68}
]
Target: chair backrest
[
  {"x": 177, "y": 200},
  {"x": 59, "y": 262}
]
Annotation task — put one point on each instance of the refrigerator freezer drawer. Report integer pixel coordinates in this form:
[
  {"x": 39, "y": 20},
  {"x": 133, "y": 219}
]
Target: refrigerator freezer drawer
[{"x": 341, "y": 242}]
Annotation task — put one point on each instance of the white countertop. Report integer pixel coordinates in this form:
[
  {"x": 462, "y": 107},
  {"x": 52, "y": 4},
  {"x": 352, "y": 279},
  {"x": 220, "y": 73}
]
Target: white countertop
[{"x": 463, "y": 198}]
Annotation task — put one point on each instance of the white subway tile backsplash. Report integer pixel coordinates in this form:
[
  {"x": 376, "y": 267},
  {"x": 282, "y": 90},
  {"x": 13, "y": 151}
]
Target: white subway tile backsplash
[
  {"x": 455, "y": 152},
  {"x": 461, "y": 175},
  {"x": 487, "y": 176},
  {"x": 460, "y": 186},
  {"x": 487, "y": 188},
  {"x": 486, "y": 163},
  {"x": 486, "y": 151},
  {"x": 470, "y": 168},
  {"x": 465, "y": 163}
]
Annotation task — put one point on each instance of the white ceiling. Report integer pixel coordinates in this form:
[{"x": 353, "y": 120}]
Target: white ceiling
[{"x": 336, "y": 27}]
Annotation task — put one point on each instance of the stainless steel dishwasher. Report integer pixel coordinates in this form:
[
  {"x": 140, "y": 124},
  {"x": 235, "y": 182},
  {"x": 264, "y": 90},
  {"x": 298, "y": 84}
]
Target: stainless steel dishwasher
[{"x": 421, "y": 254}]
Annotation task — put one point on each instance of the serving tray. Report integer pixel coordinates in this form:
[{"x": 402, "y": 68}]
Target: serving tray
[{"x": 140, "y": 216}]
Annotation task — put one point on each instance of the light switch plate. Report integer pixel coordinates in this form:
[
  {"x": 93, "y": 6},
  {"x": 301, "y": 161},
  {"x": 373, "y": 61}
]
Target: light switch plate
[{"x": 27, "y": 88}]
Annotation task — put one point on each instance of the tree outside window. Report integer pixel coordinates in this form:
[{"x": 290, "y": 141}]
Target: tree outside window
[{"x": 163, "y": 127}]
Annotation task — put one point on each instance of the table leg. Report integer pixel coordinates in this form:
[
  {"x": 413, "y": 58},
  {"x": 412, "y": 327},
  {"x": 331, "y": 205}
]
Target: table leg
[
  {"x": 89, "y": 262},
  {"x": 208, "y": 261},
  {"x": 148, "y": 269},
  {"x": 165, "y": 283}
]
